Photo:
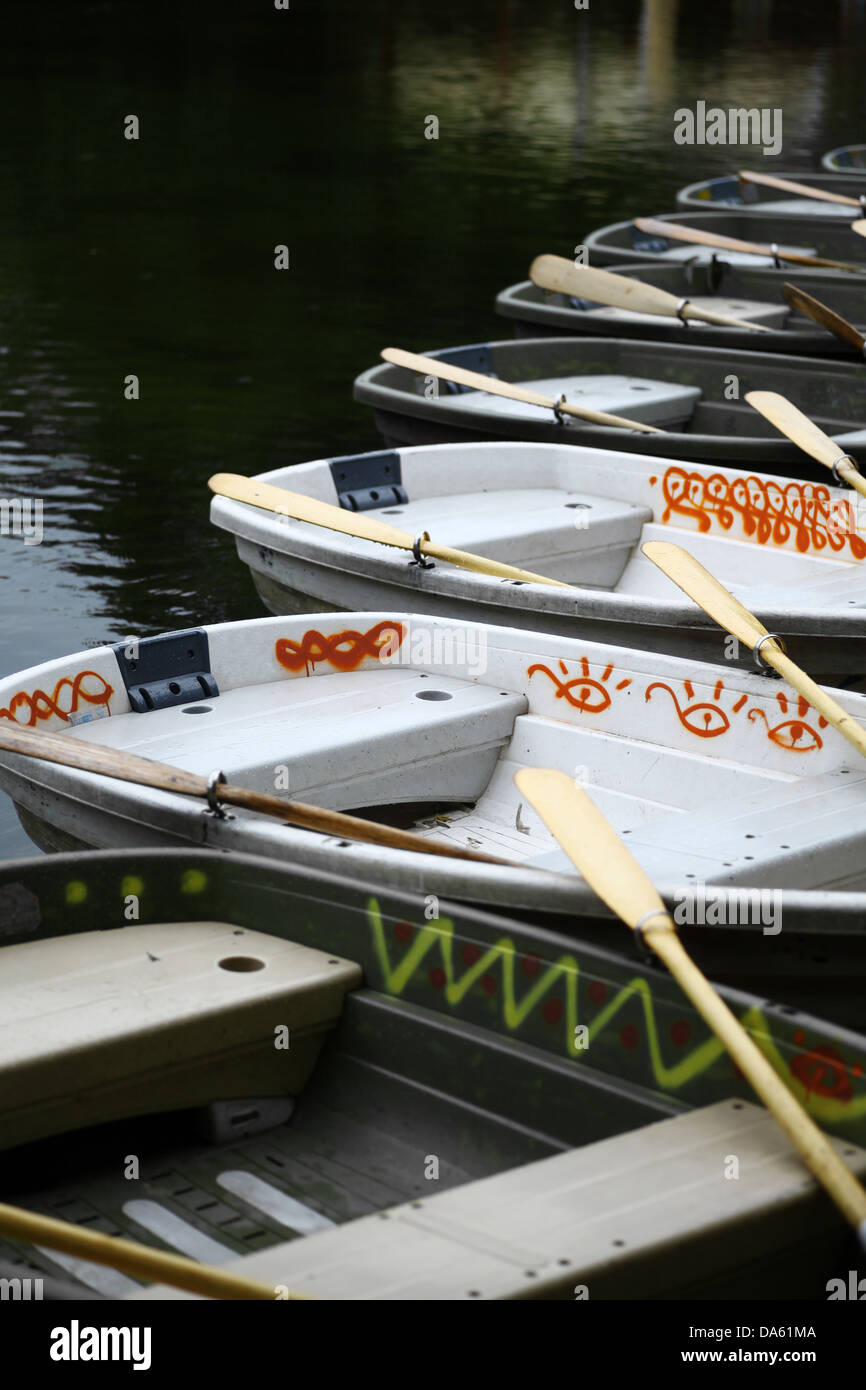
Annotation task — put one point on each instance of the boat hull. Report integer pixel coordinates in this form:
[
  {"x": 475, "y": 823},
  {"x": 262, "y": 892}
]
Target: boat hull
[
  {"x": 621, "y": 242},
  {"x": 722, "y": 429},
  {"x": 729, "y": 191},
  {"x": 535, "y": 314}
]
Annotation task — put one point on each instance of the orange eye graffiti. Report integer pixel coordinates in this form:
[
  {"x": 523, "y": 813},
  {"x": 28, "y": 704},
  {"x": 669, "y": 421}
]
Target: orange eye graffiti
[
  {"x": 582, "y": 692},
  {"x": 704, "y": 719},
  {"x": 793, "y": 734}
]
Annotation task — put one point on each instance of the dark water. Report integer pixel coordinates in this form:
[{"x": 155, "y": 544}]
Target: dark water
[{"x": 261, "y": 127}]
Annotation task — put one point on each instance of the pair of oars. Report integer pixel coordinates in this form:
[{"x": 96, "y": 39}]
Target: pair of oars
[{"x": 677, "y": 231}]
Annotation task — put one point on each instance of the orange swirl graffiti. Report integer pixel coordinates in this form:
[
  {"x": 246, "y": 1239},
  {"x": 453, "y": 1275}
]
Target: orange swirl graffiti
[
  {"x": 769, "y": 511},
  {"x": 343, "y": 650},
  {"x": 41, "y": 706}
]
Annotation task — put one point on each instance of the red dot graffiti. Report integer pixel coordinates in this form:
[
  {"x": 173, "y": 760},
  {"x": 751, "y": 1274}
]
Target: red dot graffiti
[
  {"x": 824, "y": 1073},
  {"x": 40, "y": 706},
  {"x": 343, "y": 650}
]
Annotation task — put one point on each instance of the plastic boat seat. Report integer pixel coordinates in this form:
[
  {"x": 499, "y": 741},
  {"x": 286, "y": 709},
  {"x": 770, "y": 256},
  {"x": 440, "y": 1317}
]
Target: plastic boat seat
[
  {"x": 339, "y": 739},
  {"x": 103, "y": 1025},
  {"x": 649, "y": 1208},
  {"x": 663, "y": 403},
  {"x": 576, "y": 536}
]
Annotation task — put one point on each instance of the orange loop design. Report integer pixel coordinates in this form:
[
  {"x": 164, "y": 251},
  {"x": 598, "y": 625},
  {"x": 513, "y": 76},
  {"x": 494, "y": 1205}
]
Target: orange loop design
[
  {"x": 768, "y": 511},
  {"x": 40, "y": 706},
  {"x": 342, "y": 650}
]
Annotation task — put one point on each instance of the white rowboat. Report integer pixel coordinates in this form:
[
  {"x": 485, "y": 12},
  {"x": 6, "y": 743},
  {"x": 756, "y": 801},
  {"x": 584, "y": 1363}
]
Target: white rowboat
[{"x": 714, "y": 774}]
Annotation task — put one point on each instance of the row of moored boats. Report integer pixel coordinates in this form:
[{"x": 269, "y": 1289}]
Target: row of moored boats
[{"x": 329, "y": 923}]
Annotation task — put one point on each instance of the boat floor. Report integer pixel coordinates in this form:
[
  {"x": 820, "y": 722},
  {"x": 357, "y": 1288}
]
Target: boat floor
[
  {"x": 395, "y": 1087},
  {"x": 429, "y": 1159}
]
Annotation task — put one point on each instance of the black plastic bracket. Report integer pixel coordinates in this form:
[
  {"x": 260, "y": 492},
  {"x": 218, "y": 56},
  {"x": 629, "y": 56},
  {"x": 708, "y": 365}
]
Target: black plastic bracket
[
  {"x": 172, "y": 669},
  {"x": 475, "y": 357},
  {"x": 366, "y": 481}
]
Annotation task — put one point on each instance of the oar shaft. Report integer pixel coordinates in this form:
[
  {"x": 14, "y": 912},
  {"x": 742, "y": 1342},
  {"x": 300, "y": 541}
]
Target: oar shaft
[
  {"x": 350, "y": 827},
  {"x": 130, "y": 1258},
  {"x": 131, "y": 767},
  {"x": 853, "y": 477},
  {"x": 678, "y": 232},
  {"x": 482, "y": 565},
  {"x": 432, "y": 366},
  {"x": 805, "y": 190},
  {"x": 813, "y": 1146}
]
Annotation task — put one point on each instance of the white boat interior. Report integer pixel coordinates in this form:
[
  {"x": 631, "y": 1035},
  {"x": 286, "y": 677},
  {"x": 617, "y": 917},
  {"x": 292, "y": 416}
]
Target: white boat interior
[
  {"x": 576, "y": 514},
  {"x": 714, "y": 774}
]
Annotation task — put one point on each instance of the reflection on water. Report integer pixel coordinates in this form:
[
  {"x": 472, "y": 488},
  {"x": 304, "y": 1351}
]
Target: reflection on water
[{"x": 155, "y": 258}]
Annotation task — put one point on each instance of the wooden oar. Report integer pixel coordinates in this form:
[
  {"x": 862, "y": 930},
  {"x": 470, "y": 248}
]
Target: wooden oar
[
  {"x": 301, "y": 508},
  {"x": 145, "y": 772},
  {"x": 431, "y": 366},
  {"x": 729, "y": 613},
  {"x": 598, "y": 853},
  {"x": 859, "y": 226},
  {"x": 129, "y": 1257},
  {"x": 677, "y": 232},
  {"x": 561, "y": 276},
  {"x": 803, "y": 432},
  {"x": 827, "y": 318},
  {"x": 805, "y": 190}
]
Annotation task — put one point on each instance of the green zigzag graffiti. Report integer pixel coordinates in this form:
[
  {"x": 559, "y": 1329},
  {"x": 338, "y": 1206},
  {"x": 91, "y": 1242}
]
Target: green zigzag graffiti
[{"x": 440, "y": 934}]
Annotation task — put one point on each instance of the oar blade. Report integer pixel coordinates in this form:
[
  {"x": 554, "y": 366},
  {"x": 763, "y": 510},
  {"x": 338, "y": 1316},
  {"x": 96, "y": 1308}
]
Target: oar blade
[
  {"x": 821, "y": 314},
  {"x": 701, "y": 586},
  {"x": 560, "y": 276},
  {"x": 790, "y": 421},
  {"x": 590, "y": 842},
  {"x": 301, "y": 508},
  {"x": 859, "y": 226},
  {"x": 596, "y": 850}
]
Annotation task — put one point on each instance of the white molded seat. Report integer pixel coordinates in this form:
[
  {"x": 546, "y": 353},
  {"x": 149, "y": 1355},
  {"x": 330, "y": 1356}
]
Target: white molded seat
[
  {"x": 101, "y": 1025},
  {"x": 346, "y": 739}
]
